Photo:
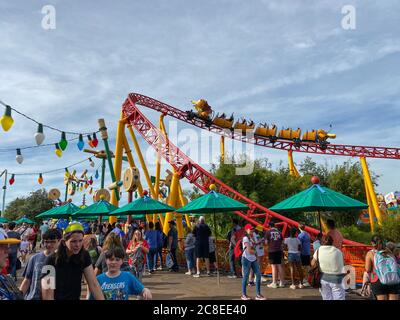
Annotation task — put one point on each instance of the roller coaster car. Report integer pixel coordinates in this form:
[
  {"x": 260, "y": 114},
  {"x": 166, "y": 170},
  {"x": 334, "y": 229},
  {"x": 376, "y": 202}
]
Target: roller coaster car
[
  {"x": 290, "y": 134},
  {"x": 243, "y": 125},
  {"x": 264, "y": 130},
  {"x": 221, "y": 121},
  {"x": 203, "y": 111},
  {"x": 318, "y": 136}
]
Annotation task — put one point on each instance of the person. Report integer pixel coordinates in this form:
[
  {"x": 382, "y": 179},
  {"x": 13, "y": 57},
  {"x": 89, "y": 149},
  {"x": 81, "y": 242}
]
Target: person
[
  {"x": 70, "y": 262},
  {"x": 334, "y": 234},
  {"x": 232, "y": 239},
  {"x": 42, "y": 229},
  {"x": 249, "y": 261},
  {"x": 13, "y": 253},
  {"x": 189, "y": 252},
  {"x": 112, "y": 240},
  {"x": 274, "y": 239},
  {"x": 317, "y": 242},
  {"x": 99, "y": 235},
  {"x": 293, "y": 246},
  {"x": 150, "y": 235},
  {"x": 87, "y": 238},
  {"x": 173, "y": 245},
  {"x": 305, "y": 253},
  {"x": 94, "y": 251},
  {"x": 30, "y": 286},
  {"x": 376, "y": 273},
  {"x": 117, "y": 284},
  {"x": 34, "y": 237},
  {"x": 211, "y": 249},
  {"x": 137, "y": 250},
  {"x": 202, "y": 247},
  {"x": 8, "y": 287},
  {"x": 259, "y": 246},
  {"x": 331, "y": 265},
  {"x": 118, "y": 230},
  {"x": 160, "y": 243},
  {"x": 24, "y": 249}
]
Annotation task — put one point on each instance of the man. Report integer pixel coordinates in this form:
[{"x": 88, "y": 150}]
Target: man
[
  {"x": 335, "y": 234},
  {"x": 274, "y": 239},
  {"x": 118, "y": 231},
  {"x": 304, "y": 238},
  {"x": 8, "y": 288},
  {"x": 202, "y": 232},
  {"x": 173, "y": 244},
  {"x": 31, "y": 285},
  {"x": 232, "y": 243},
  {"x": 13, "y": 252}
]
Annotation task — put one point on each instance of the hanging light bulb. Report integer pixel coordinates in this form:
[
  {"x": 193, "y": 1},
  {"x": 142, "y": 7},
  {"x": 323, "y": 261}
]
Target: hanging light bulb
[
  {"x": 80, "y": 143},
  {"x": 67, "y": 174},
  {"x": 39, "y": 136},
  {"x": 81, "y": 188},
  {"x": 91, "y": 162},
  {"x": 90, "y": 140},
  {"x": 90, "y": 190},
  {"x": 58, "y": 150},
  {"x": 40, "y": 179},
  {"x": 95, "y": 142},
  {"x": 96, "y": 175},
  {"x": 90, "y": 181},
  {"x": 86, "y": 185},
  {"x": 19, "y": 156},
  {"x": 63, "y": 142},
  {"x": 6, "y": 120},
  {"x": 12, "y": 180}
]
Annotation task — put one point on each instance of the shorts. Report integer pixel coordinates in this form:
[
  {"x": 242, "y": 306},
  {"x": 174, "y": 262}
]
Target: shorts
[
  {"x": 379, "y": 289},
  {"x": 305, "y": 260},
  {"x": 275, "y": 257},
  {"x": 202, "y": 251},
  {"x": 294, "y": 257},
  {"x": 212, "y": 257}
]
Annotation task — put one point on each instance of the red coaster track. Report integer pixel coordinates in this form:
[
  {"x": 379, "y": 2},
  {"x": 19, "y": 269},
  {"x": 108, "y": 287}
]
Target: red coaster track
[{"x": 196, "y": 174}]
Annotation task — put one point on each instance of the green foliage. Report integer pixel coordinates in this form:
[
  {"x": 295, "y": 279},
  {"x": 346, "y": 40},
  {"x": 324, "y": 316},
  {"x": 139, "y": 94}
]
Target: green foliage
[
  {"x": 356, "y": 234},
  {"x": 390, "y": 228},
  {"x": 30, "y": 206}
]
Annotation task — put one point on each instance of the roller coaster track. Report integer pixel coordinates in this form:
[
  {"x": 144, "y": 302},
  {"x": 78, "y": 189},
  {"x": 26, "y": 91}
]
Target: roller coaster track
[{"x": 187, "y": 168}]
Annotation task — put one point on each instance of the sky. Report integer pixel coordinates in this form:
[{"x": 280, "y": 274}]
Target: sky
[{"x": 286, "y": 62}]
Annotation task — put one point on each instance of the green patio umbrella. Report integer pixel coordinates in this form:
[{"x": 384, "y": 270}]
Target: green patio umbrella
[
  {"x": 213, "y": 202},
  {"x": 318, "y": 198},
  {"x": 99, "y": 208},
  {"x": 4, "y": 220},
  {"x": 64, "y": 211},
  {"x": 25, "y": 219}
]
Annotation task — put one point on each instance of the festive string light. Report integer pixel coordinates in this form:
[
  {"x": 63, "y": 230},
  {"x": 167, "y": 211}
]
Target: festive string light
[
  {"x": 63, "y": 142},
  {"x": 86, "y": 185},
  {"x": 39, "y": 136},
  {"x": 58, "y": 151},
  {"x": 90, "y": 190},
  {"x": 67, "y": 174},
  {"x": 40, "y": 179},
  {"x": 91, "y": 162},
  {"x": 12, "y": 180},
  {"x": 80, "y": 143},
  {"x": 90, "y": 181},
  {"x": 7, "y": 120},
  {"x": 19, "y": 156},
  {"x": 90, "y": 141},
  {"x": 96, "y": 175},
  {"x": 95, "y": 142}
]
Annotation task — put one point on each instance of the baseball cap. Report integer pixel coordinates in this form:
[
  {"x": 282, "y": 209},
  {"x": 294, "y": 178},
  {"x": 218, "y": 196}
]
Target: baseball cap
[
  {"x": 4, "y": 239},
  {"x": 248, "y": 227}
]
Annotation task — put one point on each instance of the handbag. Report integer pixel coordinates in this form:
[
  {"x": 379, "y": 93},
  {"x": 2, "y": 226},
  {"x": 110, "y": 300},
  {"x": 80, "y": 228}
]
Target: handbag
[
  {"x": 169, "y": 261},
  {"x": 314, "y": 275}
]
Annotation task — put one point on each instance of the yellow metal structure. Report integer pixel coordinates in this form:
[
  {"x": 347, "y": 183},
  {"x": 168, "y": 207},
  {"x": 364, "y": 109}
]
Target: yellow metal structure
[
  {"x": 370, "y": 208},
  {"x": 370, "y": 189},
  {"x": 173, "y": 196},
  {"x": 222, "y": 145},
  {"x": 292, "y": 168}
]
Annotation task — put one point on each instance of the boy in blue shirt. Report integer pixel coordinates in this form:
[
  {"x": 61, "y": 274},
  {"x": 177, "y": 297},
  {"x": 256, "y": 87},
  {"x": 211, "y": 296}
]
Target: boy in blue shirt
[{"x": 117, "y": 284}]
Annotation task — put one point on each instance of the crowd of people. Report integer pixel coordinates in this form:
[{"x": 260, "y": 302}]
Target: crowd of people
[{"x": 112, "y": 258}]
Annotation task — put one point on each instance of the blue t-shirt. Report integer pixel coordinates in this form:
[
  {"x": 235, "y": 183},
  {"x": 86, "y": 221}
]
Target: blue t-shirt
[
  {"x": 304, "y": 238},
  {"x": 151, "y": 237},
  {"x": 119, "y": 288},
  {"x": 160, "y": 239},
  {"x": 33, "y": 272}
]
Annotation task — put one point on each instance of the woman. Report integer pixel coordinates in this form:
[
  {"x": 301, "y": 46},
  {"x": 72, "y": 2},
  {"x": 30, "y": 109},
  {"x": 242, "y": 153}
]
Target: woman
[
  {"x": 381, "y": 291},
  {"x": 293, "y": 245},
  {"x": 111, "y": 241},
  {"x": 70, "y": 261},
  {"x": 189, "y": 252},
  {"x": 160, "y": 243},
  {"x": 137, "y": 250},
  {"x": 331, "y": 265}
]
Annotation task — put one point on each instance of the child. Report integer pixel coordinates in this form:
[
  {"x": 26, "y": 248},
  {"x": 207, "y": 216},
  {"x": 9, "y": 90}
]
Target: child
[
  {"x": 293, "y": 245},
  {"x": 211, "y": 249},
  {"x": 24, "y": 248},
  {"x": 317, "y": 243},
  {"x": 117, "y": 284}
]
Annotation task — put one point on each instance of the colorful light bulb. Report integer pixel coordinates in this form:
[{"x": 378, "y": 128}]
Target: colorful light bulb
[
  {"x": 90, "y": 181},
  {"x": 63, "y": 142},
  {"x": 58, "y": 151},
  {"x": 67, "y": 174},
  {"x": 86, "y": 185},
  {"x": 96, "y": 175},
  {"x": 12, "y": 180},
  {"x": 91, "y": 162},
  {"x": 19, "y": 156},
  {"x": 80, "y": 143},
  {"x": 90, "y": 190},
  {"x": 6, "y": 120},
  {"x": 39, "y": 136},
  {"x": 95, "y": 142},
  {"x": 40, "y": 179},
  {"x": 90, "y": 140}
]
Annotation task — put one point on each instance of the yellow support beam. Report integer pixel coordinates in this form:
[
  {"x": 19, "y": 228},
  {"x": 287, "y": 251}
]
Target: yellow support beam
[
  {"x": 172, "y": 199},
  {"x": 182, "y": 203},
  {"x": 370, "y": 188},
  {"x": 158, "y": 166},
  {"x": 370, "y": 208},
  {"x": 222, "y": 145},
  {"x": 292, "y": 168}
]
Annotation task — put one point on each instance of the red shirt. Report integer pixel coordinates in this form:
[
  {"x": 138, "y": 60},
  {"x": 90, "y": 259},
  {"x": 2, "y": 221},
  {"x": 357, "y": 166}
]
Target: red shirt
[{"x": 131, "y": 247}]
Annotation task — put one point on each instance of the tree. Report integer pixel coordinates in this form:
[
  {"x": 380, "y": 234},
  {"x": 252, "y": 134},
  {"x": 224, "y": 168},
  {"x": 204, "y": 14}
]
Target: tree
[{"x": 30, "y": 206}]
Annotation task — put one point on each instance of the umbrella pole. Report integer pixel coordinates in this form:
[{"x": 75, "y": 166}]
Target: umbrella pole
[
  {"x": 319, "y": 219},
  {"x": 216, "y": 250}
]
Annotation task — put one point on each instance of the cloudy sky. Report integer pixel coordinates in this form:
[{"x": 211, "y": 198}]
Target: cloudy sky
[{"x": 285, "y": 62}]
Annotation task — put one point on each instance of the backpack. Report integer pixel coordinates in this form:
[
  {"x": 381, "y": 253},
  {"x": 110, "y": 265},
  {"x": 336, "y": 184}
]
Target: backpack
[
  {"x": 137, "y": 259},
  {"x": 238, "y": 251},
  {"x": 387, "y": 269},
  {"x": 94, "y": 255}
]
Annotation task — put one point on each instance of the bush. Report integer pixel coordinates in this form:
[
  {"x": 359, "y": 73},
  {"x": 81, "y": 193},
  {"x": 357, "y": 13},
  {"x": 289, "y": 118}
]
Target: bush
[
  {"x": 355, "y": 234},
  {"x": 390, "y": 228}
]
